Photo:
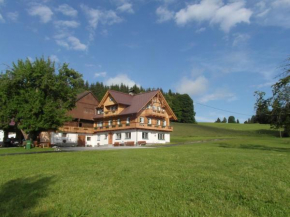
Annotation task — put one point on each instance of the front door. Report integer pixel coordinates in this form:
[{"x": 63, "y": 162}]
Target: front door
[
  {"x": 110, "y": 138},
  {"x": 82, "y": 140}
]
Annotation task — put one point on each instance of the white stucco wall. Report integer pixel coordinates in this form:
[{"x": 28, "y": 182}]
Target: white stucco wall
[
  {"x": 71, "y": 138},
  {"x": 135, "y": 136},
  {"x": 1, "y": 135}
]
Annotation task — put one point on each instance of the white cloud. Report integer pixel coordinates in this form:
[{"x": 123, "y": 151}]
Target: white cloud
[
  {"x": 219, "y": 94},
  {"x": 66, "y": 23},
  {"x": 54, "y": 58},
  {"x": 121, "y": 79},
  {"x": 200, "y": 30},
  {"x": 105, "y": 17},
  {"x": 216, "y": 12},
  {"x": 231, "y": 14},
  {"x": 273, "y": 13},
  {"x": 267, "y": 84},
  {"x": 192, "y": 86},
  {"x": 1, "y": 1},
  {"x": 70, "y": 43},
  {"x": 164, "y": 14},
  {"x": 42, "y": 11},
  {"x": 203, "y": 11},
  {"x": 2, "y": 19},
  {"x": 100, "y": 74},
  {"x": 67, "y": 10},
  {"x": 240, "y": 38},
  {"x": 13, "y": 16},
  {"x": 126, "y": 7}
]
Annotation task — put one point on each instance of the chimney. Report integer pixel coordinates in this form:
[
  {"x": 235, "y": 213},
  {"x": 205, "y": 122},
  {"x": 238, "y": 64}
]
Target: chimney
[{"x": 131, "y": 92}]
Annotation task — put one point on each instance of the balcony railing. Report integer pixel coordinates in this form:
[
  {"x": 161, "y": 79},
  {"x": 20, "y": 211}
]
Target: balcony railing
[
  {"x": 155, "y": 113},
  {"x": 68, "y": 129},
  {"x": 134, "y": 125}
]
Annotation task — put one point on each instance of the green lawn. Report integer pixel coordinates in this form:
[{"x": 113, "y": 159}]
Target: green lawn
[
  {"x": 10, "y": 150},
  {"x": 242, "y": 176}
]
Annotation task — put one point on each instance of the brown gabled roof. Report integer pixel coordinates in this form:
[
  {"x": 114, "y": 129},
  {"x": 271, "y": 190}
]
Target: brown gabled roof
[
  {"x": 138, "y": 102},
  {"x": 121, "y": 98},
  {"x": 134, "y": 102},
  {"x": 83, "y": 94}
]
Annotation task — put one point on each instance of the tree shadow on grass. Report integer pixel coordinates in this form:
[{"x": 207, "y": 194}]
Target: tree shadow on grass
[
  {"x": 255, "y": 147},
  {"x": 19, "y": 196},
  {"x": 268, "y": 132}
]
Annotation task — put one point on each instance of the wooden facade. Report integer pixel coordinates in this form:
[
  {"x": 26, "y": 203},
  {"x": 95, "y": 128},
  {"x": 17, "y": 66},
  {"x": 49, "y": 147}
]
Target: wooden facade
[{"x": 153, "y": 113}]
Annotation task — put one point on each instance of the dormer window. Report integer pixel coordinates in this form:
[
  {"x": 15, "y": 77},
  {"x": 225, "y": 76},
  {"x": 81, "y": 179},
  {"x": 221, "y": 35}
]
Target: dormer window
[
  {"x": 141, "y": 120},
  {"x": 111, "y": 99},
  {"x": 99, "y": 111}
]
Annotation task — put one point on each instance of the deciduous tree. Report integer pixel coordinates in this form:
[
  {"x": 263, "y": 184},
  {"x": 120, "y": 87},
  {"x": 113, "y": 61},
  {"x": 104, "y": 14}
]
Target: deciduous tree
[{"x": 37, "y": 96}]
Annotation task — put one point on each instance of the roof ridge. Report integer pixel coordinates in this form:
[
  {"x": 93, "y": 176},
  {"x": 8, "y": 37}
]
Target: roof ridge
[
  {"x": 127, "y": 94},
  {"x": 145, "y": 92}
]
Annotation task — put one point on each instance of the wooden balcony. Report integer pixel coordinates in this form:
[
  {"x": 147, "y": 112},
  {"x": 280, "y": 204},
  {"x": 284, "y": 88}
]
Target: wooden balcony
[
  {"x": 154, "y": 113},
  {"x": 133, "y": 125},
  {"x": 68, "y": 129}
]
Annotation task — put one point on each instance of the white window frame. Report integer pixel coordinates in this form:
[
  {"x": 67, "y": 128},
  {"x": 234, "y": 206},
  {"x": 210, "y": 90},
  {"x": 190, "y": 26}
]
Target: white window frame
[
  {"x": 118, "y": 136},
  {"x": 128, "y": 120},
  {"x": 88, "y": 138},
  {"x": 161, "y": 136},
  {"x": 149, "y": 120},
  {"x": 141, "y": 120},
  {"x": 110, "y": 122},
  {"x": 100, "y": 124},
  {"x": 158, "y": 122},
  {"x": 99, "y": 137},
  {"x": 145, "y": 135},
  {"x": 127, "y": 135},
  {"x": 164, "y": 123},
  {"x": 119, "y": 121}
]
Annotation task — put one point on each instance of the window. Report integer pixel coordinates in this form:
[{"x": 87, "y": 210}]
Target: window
[
  {"x": 100, "y": 124},
  {"x": 128, "y": 120},
  {"x": 160, "y": 136},
  {"x": 119, "y": 121},
  {"x": 80, "y": 124},
  {"x": 154, "y": 108},
  {"x": 98, "y": 137},
  {"x": 110, "y": 122},
  {"x": 63, "y": 134},
  {"x": 128, "y": 135},
  {"x": 144, "y": 135},
  {"x": 158, "y": 108},
  {"x": 158, "y": 122},
  {"x": 164, "y": 123},
  {"x": 149, "y": 121},
  {"x": 111, "y": 99},
  {"x": 100, "y": 111},
  {"x": 142, "y": 120},
  {"x": 106, "y": 136},
  {"x": 88, "y": 138},
  {"x": 118, "y": 136}
]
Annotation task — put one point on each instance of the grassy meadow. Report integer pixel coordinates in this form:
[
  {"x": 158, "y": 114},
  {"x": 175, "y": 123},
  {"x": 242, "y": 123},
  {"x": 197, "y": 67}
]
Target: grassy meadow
[{"x": 246, "y": 173}]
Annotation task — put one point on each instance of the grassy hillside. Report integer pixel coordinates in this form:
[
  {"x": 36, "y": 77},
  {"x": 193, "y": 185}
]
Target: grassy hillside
[
  {"x": 188, "y": 132},
  {"x": 246, "y": 175}
]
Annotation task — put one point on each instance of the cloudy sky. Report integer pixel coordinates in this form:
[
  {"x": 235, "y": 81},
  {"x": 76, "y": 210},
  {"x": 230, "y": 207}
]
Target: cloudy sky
[{"x": 217, "y": 51}]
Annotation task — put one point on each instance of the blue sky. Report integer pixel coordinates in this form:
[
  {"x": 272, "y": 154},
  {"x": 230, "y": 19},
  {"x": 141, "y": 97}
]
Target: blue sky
[{"x": 217, "y": 51}]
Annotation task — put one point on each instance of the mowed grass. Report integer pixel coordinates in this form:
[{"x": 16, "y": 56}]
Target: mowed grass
[
  {"x": 241, "y": 176},
  {"x": 11, "y": 150},
  {"x": 205, "y": 131}
]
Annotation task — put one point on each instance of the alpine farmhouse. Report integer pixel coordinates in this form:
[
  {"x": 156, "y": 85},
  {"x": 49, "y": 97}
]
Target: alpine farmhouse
[{"x": 119, "y": 119}]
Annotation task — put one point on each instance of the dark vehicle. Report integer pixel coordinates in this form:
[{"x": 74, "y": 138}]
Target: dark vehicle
[{"x": 11, "y": 142}]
